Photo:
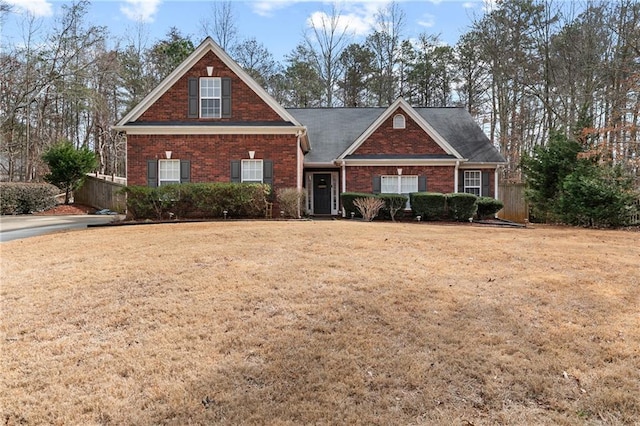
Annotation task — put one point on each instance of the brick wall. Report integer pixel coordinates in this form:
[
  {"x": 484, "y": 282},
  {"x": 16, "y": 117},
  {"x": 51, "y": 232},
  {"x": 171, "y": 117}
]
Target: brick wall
[
  {"x": 211, "y": 155},
  {"x": 410, "y": 140},
  {"x": 245, "y": 104},
  {"x": 439, "y": 178}
]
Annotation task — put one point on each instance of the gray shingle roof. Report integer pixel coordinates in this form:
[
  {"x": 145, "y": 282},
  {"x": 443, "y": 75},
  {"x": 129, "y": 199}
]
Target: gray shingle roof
[{"x": 332, "y": 130}]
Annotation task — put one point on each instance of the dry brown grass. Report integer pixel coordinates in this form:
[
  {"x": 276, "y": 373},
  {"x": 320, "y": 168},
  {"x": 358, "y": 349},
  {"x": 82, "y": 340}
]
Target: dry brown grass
[{"x": 340, "y": 322}]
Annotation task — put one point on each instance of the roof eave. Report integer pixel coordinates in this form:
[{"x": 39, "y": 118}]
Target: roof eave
[{"x": 209, "y": 130}]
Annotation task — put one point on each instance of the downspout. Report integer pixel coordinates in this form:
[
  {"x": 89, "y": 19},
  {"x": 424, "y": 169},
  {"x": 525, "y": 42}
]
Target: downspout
[
  {"x": 455, "y": 176},
  {"x": 299, "y": 171},
  {"x": 495, "y": 183}
]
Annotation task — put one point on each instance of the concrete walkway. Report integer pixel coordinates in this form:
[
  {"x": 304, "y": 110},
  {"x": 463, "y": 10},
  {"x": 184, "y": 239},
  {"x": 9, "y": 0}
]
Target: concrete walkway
[{"x": 24, "y": 226}]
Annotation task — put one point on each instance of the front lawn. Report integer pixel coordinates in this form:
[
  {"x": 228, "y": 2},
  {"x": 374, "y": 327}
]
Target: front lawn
[{"x": 321, "y": 322}]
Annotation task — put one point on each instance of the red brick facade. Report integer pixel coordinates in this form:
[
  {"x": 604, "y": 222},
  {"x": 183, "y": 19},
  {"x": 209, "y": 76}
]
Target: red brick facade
[
  {"x": 439, "y": 178},
  {"x": 246, "y": 105},
  {"x": 410, "y": 140},
  {"x": 211, "y": 155}
]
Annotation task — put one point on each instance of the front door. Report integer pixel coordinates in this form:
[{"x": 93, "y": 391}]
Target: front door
[{"x": 322, "y": 193}]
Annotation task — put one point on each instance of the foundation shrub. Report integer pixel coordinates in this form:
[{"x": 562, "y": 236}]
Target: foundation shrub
[
  {"x": 429, "y": 205},
  {"x": 25, "y": 198},
  {"x": 291, "y": 201},
  {"x": 461, "y": 207},
  {"x": 206, "y": 200},
  {"x": 393, "y": 203},
  {"x": 347, "y": 199},
  {"x": 488, "y": 207}
]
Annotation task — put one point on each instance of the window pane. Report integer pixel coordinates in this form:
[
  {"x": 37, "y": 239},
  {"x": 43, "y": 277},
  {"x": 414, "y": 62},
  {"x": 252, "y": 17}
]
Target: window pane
[
  {"x": 472, "y": 182},
  {"x": 389, "y": 184},
  {"x": 210, "y": 94},
  {"x": 251, "y": 170},
  {"x": 168, "y": 171},
  {"x": 408, "y": 184}
]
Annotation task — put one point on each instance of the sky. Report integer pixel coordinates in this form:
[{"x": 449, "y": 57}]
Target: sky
[{"x": 278, "y": 24}]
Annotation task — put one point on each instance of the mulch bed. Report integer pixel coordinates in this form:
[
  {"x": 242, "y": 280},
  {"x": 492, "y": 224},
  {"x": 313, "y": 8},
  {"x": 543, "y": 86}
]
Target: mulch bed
[{"x": 67, "y": 209}]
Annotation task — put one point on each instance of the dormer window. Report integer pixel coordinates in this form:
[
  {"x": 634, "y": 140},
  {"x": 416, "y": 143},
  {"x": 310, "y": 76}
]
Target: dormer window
[
  {"x": 398, "y": 121},
  {"x": 210, "y": 97}
]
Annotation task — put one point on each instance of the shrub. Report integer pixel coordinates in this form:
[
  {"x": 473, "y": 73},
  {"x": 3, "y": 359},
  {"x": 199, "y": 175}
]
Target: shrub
[
  {"x": 392, "y": 204},
  {"x": 461, "y": 206},
  {"x": 368, "y": 207},
  {"x": 429, "y": 205},
  {"x": 291, "y": 201},
  {"x": 68, "y": 166},
  {"x": 488, "y": 207},
  {"x": 348, "y": 198},
  {"x": 595, "y": 195},
  {"x": 197, "y": 200},
  {"x": 25, "y": 198}
]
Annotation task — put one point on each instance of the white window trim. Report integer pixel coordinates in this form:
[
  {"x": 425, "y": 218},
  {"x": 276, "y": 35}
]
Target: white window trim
[
  {"x": 479, "y": 179},
  {"x": 165, "y": 181},
  {"x": 399, "y": 121},
  {"x": 217, "y": 81},
  {"x": 242, "y": 169},
  {"x": 400, "y": 178}
]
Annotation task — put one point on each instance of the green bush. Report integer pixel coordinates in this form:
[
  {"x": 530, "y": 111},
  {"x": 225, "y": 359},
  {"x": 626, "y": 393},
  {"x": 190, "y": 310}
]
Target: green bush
[
  {"x": 291, "y": 201},
  {"x": 461, "y": 207},
  {"x": 206, "y": 200},
  {"x": 25, "y": 198},
  {"x": 429, "y": 205},
  {"x": 488, "y": 207},
  {"x": 392, "y": 204},
  {"x": 595, "y": 195},
  {"x": 347, "y": 199}
]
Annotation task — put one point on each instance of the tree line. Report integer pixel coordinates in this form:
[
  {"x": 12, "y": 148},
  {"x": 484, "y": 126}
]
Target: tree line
[{"x": 524, "y": 70}]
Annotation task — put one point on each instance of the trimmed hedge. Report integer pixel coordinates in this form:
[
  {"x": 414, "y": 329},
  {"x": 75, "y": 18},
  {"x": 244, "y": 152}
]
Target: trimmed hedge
[
  {"x": 393, "y": 203},
  {"x": 25, "y": 198},
  {"x": 203, "y": 200},
  {"x": 461, "y": 206},
  {"x": 429, "y": 205},
  {"x": 488, "y": 207},
  {"x": 347, "y": 199}
]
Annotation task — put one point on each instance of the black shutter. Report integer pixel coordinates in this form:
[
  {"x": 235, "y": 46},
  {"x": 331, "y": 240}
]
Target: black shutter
[
  {"x": 235, "y": 171},
  {"x": 185, "y": 171},
  {"x": 193, "y": 98},
  {"x": 152, "y": 173},
  {"x": 377, "y": 185},
  {"x": 486, "y": 188},
  {"x": 461, "y": 181},
  {"x": 422, "y": 184},
  {"x": 267, "y": 172},
  {"x": 226, "y": 98}
]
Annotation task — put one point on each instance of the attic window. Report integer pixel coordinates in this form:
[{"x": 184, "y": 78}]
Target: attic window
[
  {"x": 210, "y": 97},
  {"x": 398, "y": 121}
]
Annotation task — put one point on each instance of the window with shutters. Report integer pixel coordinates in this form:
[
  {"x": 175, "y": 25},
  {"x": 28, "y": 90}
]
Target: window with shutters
[
  {"x": 405, "y": 185},
  {"x": 473, "y": 182},
  {"x": 210, "y": 97},
  {"x": 168, "y": 172},
  {"x": 252, "y": 171}
]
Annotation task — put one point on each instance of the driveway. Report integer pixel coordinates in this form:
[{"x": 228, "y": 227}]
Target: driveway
[{"x": 24, "y": 226}]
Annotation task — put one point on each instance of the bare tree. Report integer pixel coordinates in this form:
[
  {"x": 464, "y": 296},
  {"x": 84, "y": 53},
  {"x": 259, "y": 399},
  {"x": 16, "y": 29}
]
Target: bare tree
[
  {"x": 221, "y": 25},
  {"x": 327, "y": 39}
]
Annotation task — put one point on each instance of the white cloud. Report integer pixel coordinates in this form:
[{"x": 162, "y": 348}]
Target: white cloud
[
  {"x": 469, "y": 5},
  {"x": 427, "y": 20},
  {"x": 38, "y": 8},
  {"x": 268, "y": 8},
  {"x": 140, "y": 10}
]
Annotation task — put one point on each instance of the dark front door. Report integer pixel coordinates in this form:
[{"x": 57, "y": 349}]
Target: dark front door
[{"x": 322, "y": 193}]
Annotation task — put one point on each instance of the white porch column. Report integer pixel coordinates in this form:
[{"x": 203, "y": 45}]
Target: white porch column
[
  {"x": 495, "y": 183},
  {"x": 455, "y": 177}
]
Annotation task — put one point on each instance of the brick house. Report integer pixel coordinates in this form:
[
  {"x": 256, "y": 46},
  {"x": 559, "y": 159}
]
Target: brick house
[{"x": 209, "y": 121}]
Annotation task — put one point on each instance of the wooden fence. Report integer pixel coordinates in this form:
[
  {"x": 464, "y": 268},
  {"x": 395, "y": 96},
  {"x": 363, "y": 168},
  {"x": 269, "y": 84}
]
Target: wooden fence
[
  {"x": 102, "y": 192},
  {"x": 516, "y": 208}
]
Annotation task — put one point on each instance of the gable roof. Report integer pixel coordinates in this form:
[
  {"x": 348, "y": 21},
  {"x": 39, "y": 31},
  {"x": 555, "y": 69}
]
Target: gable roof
[
  {"x": 333, "y": 130},
  {"x": 206, "y": 46},
  {"x": 402, "y": 104}
]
